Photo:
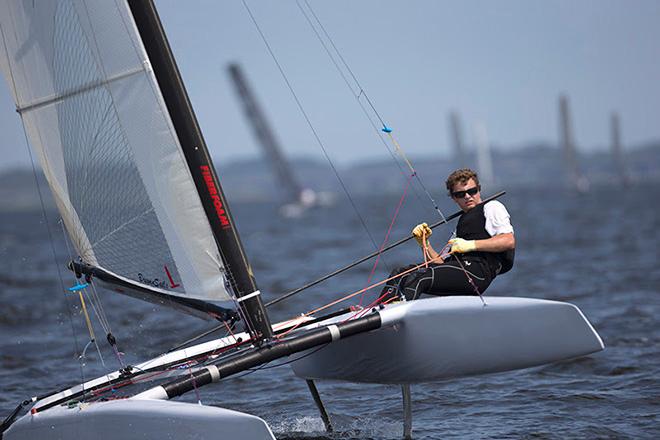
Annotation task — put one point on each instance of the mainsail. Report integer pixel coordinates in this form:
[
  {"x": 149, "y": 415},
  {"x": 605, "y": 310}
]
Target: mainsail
[{"x": 92, "y": 108}]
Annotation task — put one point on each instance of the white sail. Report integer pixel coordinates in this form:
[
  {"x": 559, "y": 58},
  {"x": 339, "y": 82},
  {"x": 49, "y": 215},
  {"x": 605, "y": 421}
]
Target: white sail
[
  {"x": 94, "y": 114},
  {"x": 484, "y": 156}
]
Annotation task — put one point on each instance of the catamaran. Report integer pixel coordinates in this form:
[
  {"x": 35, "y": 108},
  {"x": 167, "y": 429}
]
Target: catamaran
[{"x": 104, "y": 107}]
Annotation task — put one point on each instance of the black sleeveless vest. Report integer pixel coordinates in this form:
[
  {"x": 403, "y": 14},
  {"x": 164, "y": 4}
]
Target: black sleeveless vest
[{"x": 472, "y": 226}]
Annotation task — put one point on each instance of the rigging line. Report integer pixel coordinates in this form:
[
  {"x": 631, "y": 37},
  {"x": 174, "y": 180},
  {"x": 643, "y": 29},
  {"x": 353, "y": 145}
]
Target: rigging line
[
  {"x": 99, "y": 311},
  {"x": 412, "y": 169},
  {"x": 106, "y": 327},
  {"x": 348, "y": 68},
  {"x": 378, "y": 132},
  {"x": 351, "y": 295},
  {"x": 341, "y": 72},
  {"x": 385, "y": 128},
  {"x": 363, "y": 259},
  {"x": 247, "y": 320},
  {"x": 242, "y": 315},
  {"x": 89, "y": 323},
  {"x": 43, "y": 206},
  {"x": 379, "y": 300},
  {"x": 290, "y": 361},
  {"x": 228, "y": 278},
  {"x": 90, "y": 327},
  {"x": 425, "y": 249},
  {"x": 309, "y": 123},
  {"x": 470, "y": 280},
  {"x": 100, "y": 314},
  {"x": 197, "y": 337},
  {"x": 192, "y": 378},
  {"x": 387, "y": 235}
]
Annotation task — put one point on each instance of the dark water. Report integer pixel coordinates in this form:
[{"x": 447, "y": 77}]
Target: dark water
[{"x": 598, "y": 251}]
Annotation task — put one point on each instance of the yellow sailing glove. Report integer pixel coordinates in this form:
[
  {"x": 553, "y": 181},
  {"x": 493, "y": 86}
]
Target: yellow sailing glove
[
  {"x": 421, "y": 232},
  {"x": 460, "y": 246}
]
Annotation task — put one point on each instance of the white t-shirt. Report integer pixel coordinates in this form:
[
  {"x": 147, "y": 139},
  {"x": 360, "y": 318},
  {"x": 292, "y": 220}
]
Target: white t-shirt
[{"x": 498, "y": 220}]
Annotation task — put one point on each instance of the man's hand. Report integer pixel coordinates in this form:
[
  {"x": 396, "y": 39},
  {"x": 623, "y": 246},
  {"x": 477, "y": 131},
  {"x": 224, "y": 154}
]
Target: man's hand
[
  {"x": 460, "y": 246},
  {"x": 421, "y": 232}
]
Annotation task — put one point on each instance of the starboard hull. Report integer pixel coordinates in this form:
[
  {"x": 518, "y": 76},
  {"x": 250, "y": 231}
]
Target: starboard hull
[
  {"x": 448, "y": 337},
  {"x": 139, "y": 419}
]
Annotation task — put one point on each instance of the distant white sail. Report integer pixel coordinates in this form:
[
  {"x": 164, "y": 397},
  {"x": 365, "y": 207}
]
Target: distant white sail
[
  {"x": 484, "y": 156},
  {"x": 94, "y": 114}
]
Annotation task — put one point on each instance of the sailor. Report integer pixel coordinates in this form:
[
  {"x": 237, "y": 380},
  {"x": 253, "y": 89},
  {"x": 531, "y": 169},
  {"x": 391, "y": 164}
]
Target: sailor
[{"x": 482, "y": 247}]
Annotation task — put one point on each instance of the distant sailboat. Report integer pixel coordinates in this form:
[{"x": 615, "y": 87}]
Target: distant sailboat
[
  {"x": 298, "y": 198},
  {"x": 104, "y": 107},
  {"x": 617, "y": 150},
  {"x": 575, "y": 178},
  {"x": 459, "y": 155},
  {"x": 484, "y": 156}
]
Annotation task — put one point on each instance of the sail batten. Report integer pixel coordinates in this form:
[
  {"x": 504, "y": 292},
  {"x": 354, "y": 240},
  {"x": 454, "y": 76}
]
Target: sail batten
[
  {"x": 94, "y": 113},
  {"x": 77, "y": 91}
]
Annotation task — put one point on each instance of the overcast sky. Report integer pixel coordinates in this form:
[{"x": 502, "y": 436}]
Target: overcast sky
[{"x": 501, "y": 64}]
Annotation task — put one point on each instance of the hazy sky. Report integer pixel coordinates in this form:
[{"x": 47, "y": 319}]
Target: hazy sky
[{"x": 502, "y": 64}]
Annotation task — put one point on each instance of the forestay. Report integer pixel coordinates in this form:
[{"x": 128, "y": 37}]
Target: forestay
[{"x": 93, "y": 111}]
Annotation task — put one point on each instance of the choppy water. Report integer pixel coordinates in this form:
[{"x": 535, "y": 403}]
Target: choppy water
[{"x": 598, "y": 251}]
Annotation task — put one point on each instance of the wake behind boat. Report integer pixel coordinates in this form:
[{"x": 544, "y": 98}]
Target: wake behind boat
[{"x": 104, "y": 107}]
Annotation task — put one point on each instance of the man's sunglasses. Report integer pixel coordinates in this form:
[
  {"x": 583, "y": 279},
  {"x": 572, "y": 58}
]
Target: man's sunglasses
[{"x": 460, "y": 194}]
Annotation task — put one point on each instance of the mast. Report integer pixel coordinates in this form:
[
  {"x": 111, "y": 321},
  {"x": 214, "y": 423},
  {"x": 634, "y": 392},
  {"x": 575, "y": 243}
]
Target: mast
[
  {"x": 239, "y": 272},
  {"x": 617, "y": 152},
  {"x": 575, "y": 178},
  {"x": 264, "y": 134}
]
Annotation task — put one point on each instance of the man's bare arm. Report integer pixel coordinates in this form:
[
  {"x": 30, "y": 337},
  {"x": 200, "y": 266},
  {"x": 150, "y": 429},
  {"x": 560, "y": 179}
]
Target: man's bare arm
[{"x": 498, "y": 243}]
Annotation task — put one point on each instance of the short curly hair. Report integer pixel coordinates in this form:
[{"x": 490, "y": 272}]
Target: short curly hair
[{"x": 461, "y": 176}]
